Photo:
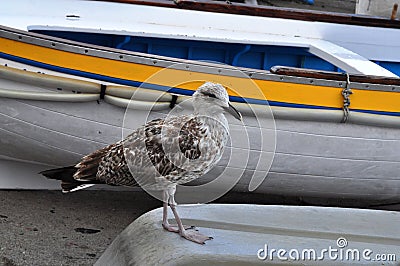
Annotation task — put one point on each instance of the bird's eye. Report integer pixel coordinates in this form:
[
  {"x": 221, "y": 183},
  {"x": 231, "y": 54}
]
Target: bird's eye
[{"x": 212, "y": 95}]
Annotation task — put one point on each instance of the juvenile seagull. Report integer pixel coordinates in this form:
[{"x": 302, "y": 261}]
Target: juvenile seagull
[{"x": 161, "y": 154}]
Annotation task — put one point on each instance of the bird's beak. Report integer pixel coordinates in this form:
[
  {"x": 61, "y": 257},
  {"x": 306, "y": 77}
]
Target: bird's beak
[{"x": 235, "y": 113}]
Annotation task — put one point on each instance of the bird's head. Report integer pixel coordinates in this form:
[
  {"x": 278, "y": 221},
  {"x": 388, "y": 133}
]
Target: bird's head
[{"x": 213, "y": 98}]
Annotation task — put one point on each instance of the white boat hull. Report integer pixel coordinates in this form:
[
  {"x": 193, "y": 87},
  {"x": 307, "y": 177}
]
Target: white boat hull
[{"x": 312, "y": 159}]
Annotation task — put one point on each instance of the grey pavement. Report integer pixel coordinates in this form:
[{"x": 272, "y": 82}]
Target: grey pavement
[{"x": 52, "y": 228}]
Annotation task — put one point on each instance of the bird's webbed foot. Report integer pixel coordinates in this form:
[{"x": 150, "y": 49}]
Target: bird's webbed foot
[
  {"x": 195, "y": 236},
  {"x": 175, "y": 228}
]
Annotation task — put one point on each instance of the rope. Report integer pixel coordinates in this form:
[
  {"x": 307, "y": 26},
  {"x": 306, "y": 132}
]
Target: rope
[{"x": 346, "y": 92}]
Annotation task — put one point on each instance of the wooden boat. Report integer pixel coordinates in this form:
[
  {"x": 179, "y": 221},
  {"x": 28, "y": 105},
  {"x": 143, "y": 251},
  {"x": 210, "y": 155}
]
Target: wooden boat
[{"x": 316, "y": 154}]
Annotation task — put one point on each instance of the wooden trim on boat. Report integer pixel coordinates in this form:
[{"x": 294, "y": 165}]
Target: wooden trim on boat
[
  {"x": 319, "y": 74},
  {"x": 268, "y": 11}
]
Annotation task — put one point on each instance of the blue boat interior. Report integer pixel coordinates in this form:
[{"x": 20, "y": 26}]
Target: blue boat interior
[{"x": 235, "y": 54}]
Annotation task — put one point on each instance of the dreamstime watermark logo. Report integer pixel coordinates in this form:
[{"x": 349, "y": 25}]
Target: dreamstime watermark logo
[
  {"x": 251, "y": 144},
  {"x": 340, "y": 252}
]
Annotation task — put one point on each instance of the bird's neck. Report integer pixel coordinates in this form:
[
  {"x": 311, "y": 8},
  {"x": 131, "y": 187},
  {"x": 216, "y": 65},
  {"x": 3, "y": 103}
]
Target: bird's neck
[
  {"x": 210, "y": 115},
  {"x": 213, "y": 121}
]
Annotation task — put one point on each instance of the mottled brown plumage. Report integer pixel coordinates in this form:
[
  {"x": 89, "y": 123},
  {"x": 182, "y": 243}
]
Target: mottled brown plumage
[
  {"x": 147, "y": 158},
  {"x": 161, "y": 154}
]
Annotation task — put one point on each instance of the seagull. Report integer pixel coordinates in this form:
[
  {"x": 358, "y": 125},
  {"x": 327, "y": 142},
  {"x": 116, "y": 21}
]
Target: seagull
[{"x": 161, "y": 154}]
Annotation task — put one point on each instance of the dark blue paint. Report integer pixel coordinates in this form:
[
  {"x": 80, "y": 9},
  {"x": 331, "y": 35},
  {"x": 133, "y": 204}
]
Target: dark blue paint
[
  {"x": 121, "y": 45},
  {"x": 394, "y": 67},
  {"x": 236, "y": 54}
]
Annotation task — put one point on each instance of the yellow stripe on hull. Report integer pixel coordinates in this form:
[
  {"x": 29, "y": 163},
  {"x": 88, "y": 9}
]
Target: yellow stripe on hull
[{"x": 305, "y": 94}]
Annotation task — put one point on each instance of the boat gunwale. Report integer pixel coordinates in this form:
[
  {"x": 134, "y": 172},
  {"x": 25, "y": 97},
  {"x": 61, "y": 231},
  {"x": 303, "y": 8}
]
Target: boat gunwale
[{"x": 190, "y": 65}]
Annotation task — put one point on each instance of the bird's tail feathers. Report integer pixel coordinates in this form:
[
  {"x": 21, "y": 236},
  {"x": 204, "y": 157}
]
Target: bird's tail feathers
[
  {"x": 66, "y": 176},
  {"x": 73, "y": 187}
]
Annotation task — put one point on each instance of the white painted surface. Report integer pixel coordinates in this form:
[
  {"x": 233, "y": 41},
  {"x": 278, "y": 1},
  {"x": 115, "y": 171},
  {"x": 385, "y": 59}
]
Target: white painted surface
[
  {"x": 326, "y": 160},
  {"x": 140, "y": 20},
  {"x": 347, "y": 60}
]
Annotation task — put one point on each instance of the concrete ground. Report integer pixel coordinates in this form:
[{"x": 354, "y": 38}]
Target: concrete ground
[{"x": 51, "y": 228}]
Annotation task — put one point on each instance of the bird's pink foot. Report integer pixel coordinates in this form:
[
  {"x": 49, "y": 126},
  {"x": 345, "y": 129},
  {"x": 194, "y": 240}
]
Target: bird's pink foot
[
  {"x": 174, "y": 228},
  {"x": 195, "y": 236}
]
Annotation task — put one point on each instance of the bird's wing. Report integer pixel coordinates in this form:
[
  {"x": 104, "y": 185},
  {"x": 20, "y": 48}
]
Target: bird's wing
[
  {"x": 152, "y": 154},
  {"x": 88, "y": 166},
  {"x": 156, "y": 155}
]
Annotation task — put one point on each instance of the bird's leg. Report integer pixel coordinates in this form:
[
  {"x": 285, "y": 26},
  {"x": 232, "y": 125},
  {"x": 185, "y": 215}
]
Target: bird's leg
[
  {"x": 165, "y": 223},
  {"x": 192, "y": 235}
]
